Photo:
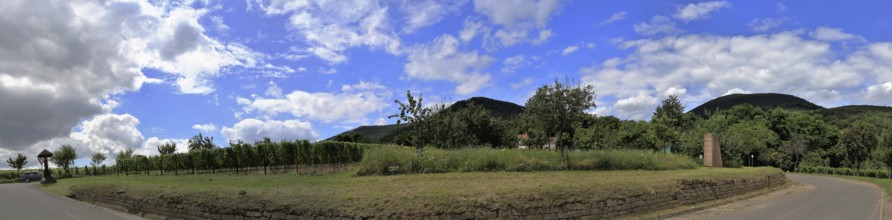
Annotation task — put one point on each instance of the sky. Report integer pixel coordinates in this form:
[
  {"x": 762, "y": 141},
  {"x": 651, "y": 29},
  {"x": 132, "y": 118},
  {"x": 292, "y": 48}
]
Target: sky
[{"x": 108, "y": 75}]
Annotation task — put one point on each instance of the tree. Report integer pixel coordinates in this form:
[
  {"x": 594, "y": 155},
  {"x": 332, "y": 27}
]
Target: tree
[
  {"x": 18, "y": 162},
  {"x": 797, "y": 148},
  {"x": 64, "y": 158},
  {"x": 887, "y": 151},
  {"x": 858, "y": 140},
  {"x": 123, "y": 160},
  {"x": 166, "y": 149},
  {"x": 555, "y": 108},
  {"x": 96, "y": 160},
  {"x": 416, "y": 115},
  {"x": 198, "y": 142},
  {"x": 667, "y": 122}
]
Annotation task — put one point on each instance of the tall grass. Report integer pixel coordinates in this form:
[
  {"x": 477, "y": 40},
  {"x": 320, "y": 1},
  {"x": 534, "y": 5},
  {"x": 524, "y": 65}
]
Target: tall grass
[{"x": 391, "y": 160}]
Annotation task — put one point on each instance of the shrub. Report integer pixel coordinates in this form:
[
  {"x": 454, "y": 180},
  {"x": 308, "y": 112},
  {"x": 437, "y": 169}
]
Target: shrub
[{"x": 399, "y": 160}]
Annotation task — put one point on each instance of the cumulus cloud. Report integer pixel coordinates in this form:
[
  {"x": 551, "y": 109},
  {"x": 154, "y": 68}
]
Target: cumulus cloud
[
  {"x": 613, "y": 18},
  {"x": 783, "y": 62},
  {"x": 832, "y": 34},
  {"x": 251, "y": 130},
  {"x": 517, "y": 19},
  {"x": 879, "y": 94},
  {"x": 736, "y": 91},
  {"x": 350, "y": 105},
  {"x": 207, "y": 128},
  {"x": 442, "y": 60},
  {"x": 332, "y": 27},
  {"x": 637, "y": 107},
  {"x": 77, "y": 55},
  {"x": 696, "y": 11}
]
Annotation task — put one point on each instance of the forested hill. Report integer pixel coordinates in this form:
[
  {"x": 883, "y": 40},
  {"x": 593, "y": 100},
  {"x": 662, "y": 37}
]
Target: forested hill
[
  {"x": 497, "y": 108},
  {"x": 879, "y": 116},
  {"x": 766, "y": 101},
  {"x": 387, "y": 133}
]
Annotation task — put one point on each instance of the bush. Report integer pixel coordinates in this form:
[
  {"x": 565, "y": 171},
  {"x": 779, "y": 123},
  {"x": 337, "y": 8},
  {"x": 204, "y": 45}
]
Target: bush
[{"x": 398, "y": 160}]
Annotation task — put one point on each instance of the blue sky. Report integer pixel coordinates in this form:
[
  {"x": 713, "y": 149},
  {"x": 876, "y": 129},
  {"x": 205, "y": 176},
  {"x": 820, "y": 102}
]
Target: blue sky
[{"x": 105, "y": 76}]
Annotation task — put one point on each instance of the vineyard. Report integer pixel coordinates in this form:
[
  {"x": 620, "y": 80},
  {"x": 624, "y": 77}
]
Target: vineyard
[{"x": 264, "y": 157}]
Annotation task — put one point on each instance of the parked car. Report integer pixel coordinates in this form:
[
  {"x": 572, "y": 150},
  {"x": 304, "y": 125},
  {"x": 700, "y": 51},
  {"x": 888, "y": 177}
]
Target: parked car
[{"x": 30, "y": 176}]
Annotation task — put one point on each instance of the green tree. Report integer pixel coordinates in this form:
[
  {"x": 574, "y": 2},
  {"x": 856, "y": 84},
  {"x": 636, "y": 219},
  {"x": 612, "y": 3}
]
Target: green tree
[
  {"x": 166, "y": 149},
  {"x": 97, "y": 159},
  {"x": 18, "y": 162},
  {"x": 886, "y": 156},
  {"x": 667, "y": 122},
  {"x": 198, "y": 142},
  {"x": 416, "y": 115},
  {"x": 797, "y": 147},
  {"x": 123, "y": 160},
  {"x": 64, "y": 158},
  {"x": 858, "y": 140},
  {"x": 554, "y": 109}
]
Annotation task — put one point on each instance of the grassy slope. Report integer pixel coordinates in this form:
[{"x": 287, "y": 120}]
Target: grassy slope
[{"x": 344, "y": 193}]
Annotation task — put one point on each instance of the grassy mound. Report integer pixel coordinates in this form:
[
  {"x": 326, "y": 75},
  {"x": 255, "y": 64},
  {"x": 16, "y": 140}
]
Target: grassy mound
[{"x": 389, "y": 160}]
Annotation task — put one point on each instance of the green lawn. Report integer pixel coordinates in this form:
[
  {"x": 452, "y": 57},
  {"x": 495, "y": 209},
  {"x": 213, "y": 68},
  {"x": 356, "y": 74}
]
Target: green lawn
[{"x": 348, "y": 194}]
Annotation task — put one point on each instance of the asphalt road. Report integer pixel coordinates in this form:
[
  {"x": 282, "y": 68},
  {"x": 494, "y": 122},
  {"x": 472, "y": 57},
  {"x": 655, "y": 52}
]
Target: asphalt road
[
  {"x": 829, "y": 198},
  {"x": 26, "y": 201}
]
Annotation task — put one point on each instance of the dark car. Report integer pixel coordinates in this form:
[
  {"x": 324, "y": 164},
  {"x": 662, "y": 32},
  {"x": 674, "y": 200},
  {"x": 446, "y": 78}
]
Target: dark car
[{"x": 29, "y": 176}]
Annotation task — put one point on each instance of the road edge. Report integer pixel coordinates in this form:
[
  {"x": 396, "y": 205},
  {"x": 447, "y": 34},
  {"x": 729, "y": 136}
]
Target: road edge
[
  {"x": 119, "y": 213},
  {"x": 712, "y": 204}
]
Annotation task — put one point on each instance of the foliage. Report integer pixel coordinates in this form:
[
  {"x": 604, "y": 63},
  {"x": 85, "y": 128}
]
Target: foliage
[
  {"x": 764, "y": 101},
  {"x": 858, "y": 140},
  {"x": 415, "y": 114},
  {"x": 64, "y": 157},
  {"x": 555, "y": 109},
  {"x": 388, "y": 160},
  {"x": 18, "y": 162}
]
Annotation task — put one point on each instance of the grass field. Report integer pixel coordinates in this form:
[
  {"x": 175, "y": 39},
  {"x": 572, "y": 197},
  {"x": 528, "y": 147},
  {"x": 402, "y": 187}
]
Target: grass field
[{"x": 345, "y": 193}]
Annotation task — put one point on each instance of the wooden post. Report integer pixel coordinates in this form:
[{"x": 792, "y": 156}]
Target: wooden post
[{"x": 712, "y": 153}]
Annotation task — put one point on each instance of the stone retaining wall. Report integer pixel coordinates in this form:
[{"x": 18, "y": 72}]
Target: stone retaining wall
[{"x": 687, "y": 192}]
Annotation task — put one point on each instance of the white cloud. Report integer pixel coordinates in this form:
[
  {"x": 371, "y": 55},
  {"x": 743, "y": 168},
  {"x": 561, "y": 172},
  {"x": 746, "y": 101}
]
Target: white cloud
[
  {"x": 514, "y": 12},
  {"x": 349, "y": 106},
  {"x": 511, "y": 64},
  {"x": 784, "y": 62},
  {"x": 637, "y": 107},
  {"x": 150, "y": 147},
  {"x": 677, "y": 91},
  {"x": 523, "y": 83},
  {"x": 832, "y": 34},
  {"x": 106, "y": 134},
  {"x": 736, "y": 91},
  {"x": 569, "y": 50},
  {"x": 273, "y": 90},
  {"x": 420, "y": 14},
  {"x": 765, "y": 24},
  {"x": 332, "y": 27},
  {"x": 207, "y": 128},
  {"x": 251, "y": 130},
  {"x": 880, "y": 94},
  {"x": 381, "y": 121},
  {"x": 614, "y": 18},
  {"x": 517, "y": 19},
  {"x": 657, "y": 25},
  {"x": 471, "y": 29},
  {"x": 700, "y": 10},
  {"x": 442, "y": 60}
]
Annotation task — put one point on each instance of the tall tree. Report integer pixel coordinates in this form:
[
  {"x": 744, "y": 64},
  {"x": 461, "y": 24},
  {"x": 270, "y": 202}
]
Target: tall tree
[
  {"x": 64, "y": 158},
  {"x": 887, "y": 151},
  {"x": 166, "y": 149},
  {"x": 667, "y": 122},
  {"x": 555, "y": 109},
  {"x": 18, "y": 162},
  {"x": 416, "y": 115},
  {"x": 96, "y": 160},
  {"x": 858, "y": 140},
  {"x": 123, "y": 160}
]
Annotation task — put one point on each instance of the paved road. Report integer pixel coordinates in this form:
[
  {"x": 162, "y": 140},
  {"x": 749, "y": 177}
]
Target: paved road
[
  {"x": 26, "y": 201},
  {"x": 830, "y": 198}
]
